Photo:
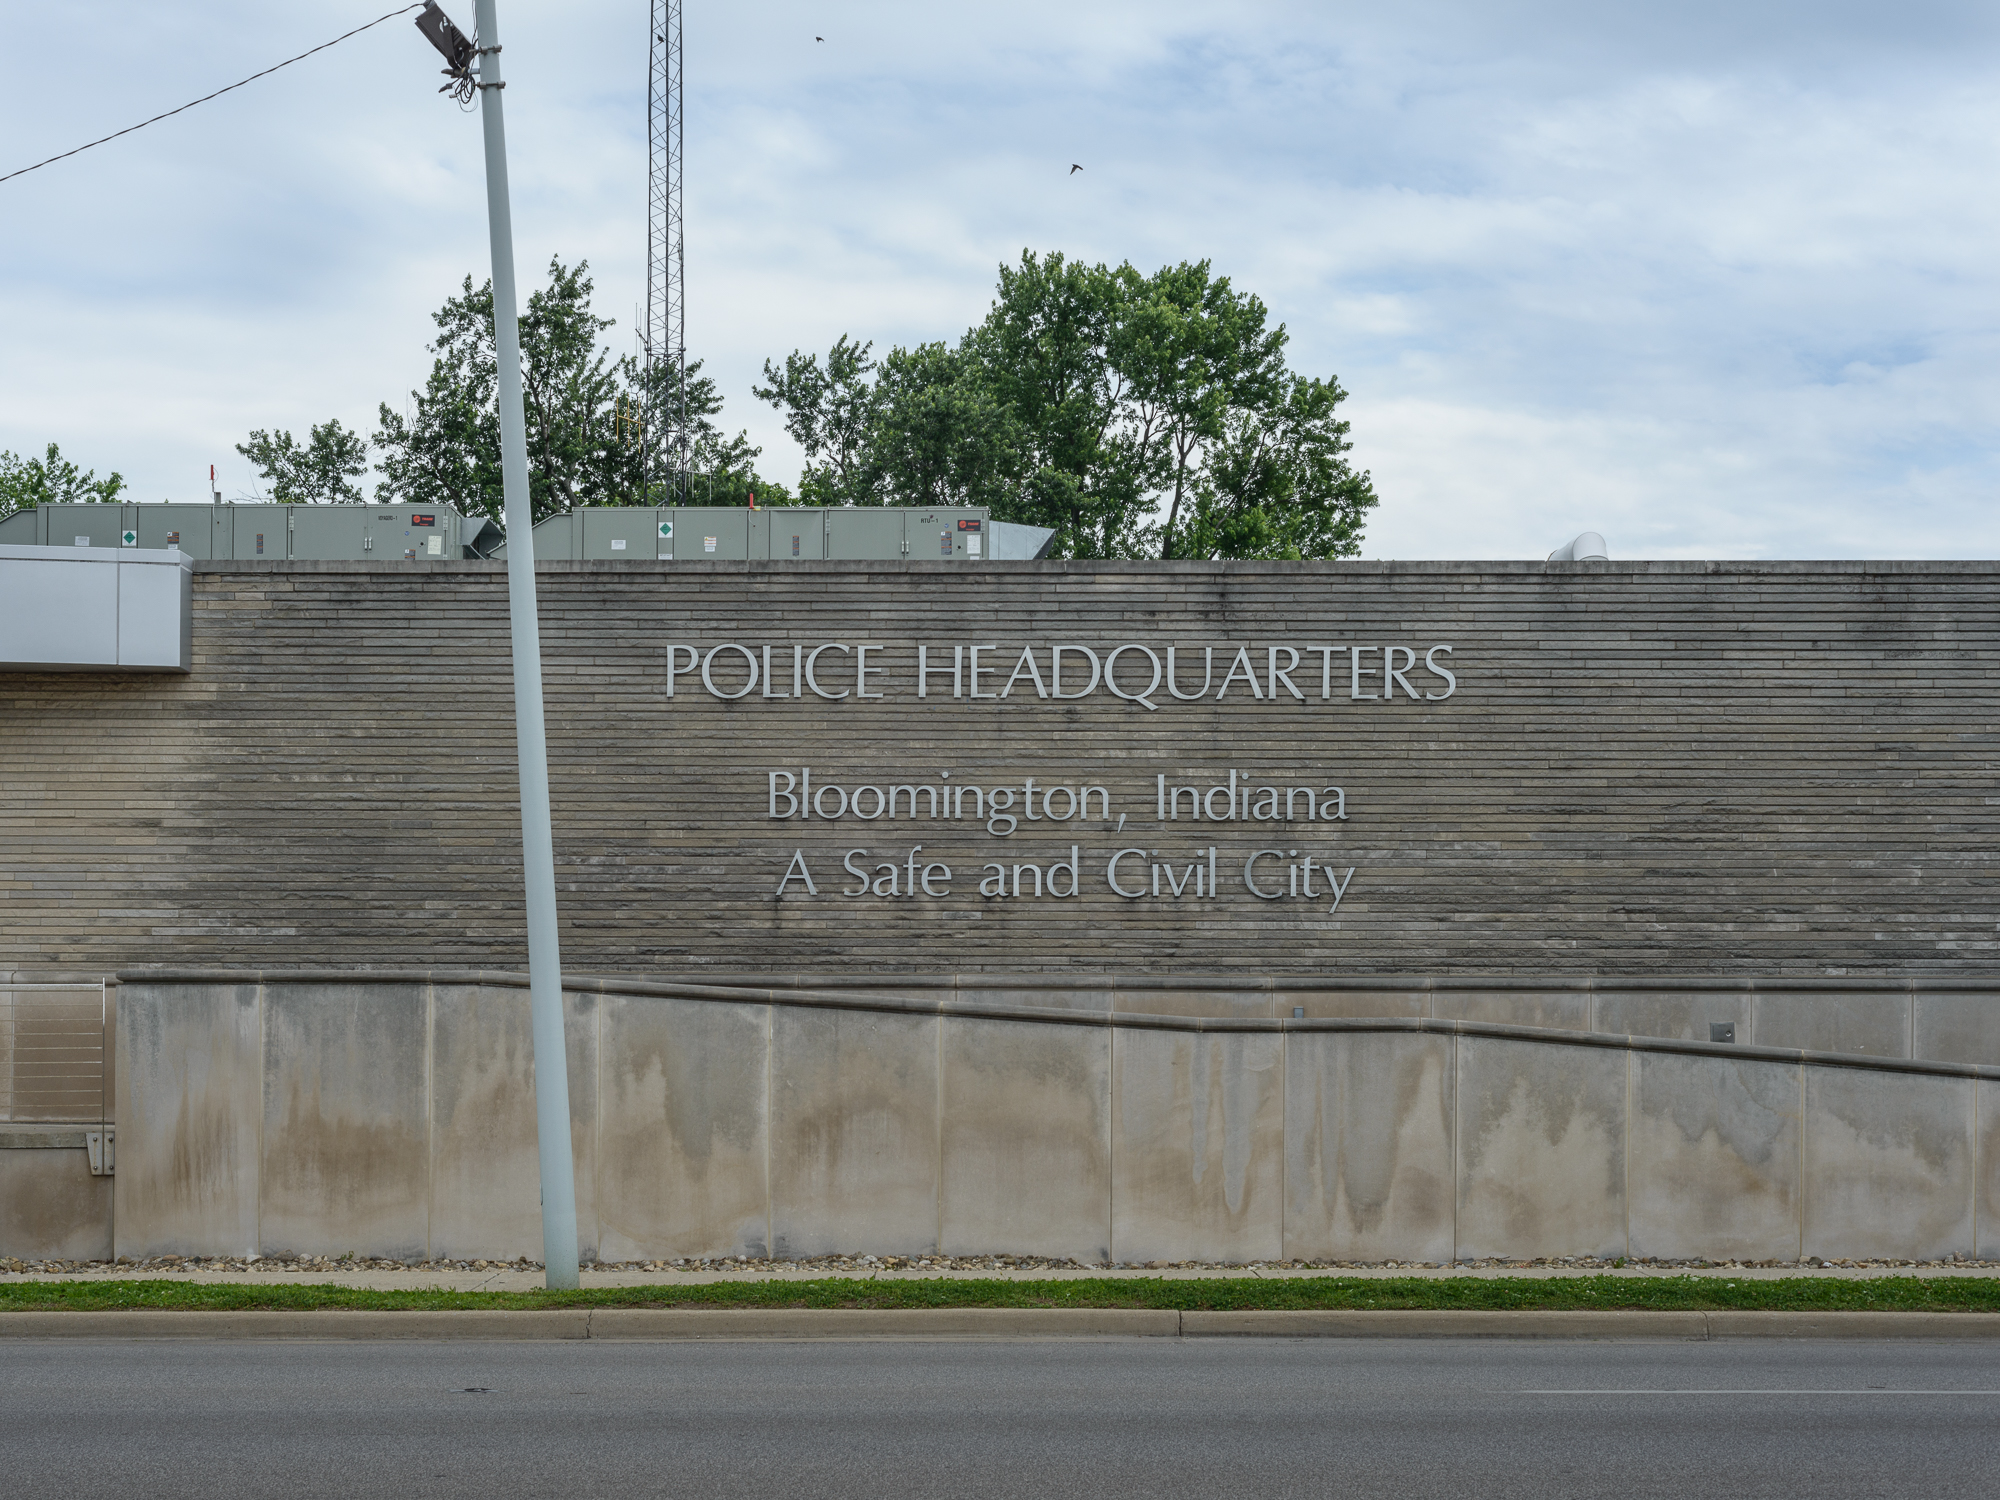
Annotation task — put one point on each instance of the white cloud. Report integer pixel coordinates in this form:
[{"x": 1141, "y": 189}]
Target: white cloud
[{"x": 1714, "y": 280}]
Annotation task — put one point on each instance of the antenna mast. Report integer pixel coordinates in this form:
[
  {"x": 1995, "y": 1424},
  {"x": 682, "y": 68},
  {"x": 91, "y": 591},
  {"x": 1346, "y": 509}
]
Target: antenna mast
[{"x": 666, "y": 263}]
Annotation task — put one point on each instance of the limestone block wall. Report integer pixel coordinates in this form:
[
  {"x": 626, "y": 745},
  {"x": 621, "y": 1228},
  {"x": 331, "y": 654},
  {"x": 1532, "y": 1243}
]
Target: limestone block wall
[
  {"x": 392, "y": 1113},
  {"x": 1740, "y": 770}
]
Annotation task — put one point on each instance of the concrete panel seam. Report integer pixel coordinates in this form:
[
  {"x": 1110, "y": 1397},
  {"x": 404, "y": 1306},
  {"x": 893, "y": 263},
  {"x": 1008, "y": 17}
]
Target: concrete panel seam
[
  {"x": 430, "y": 1119},
  {"x": 263, "y": 1076},
  {"x": 597, "y": 1194},
  {"x": 1631, "y": 1116},
  {"x": 770, "y": 1212},
  {"x": 937, "y": 1146},
  {"x": 1112, "y": 1094},
  {"x": 1457, "y": 1128},
  {"x": 1974, "y": 1179},
  {"x": 1799, "y": 1165}
]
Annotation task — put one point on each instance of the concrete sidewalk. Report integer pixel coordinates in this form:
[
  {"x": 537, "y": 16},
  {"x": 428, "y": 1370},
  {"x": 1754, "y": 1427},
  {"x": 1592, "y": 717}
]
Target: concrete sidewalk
[{"x": 990, "y": 1323}]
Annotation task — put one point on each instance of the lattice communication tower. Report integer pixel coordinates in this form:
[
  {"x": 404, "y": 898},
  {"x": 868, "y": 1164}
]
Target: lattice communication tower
[{"x": 665, "y": 336}]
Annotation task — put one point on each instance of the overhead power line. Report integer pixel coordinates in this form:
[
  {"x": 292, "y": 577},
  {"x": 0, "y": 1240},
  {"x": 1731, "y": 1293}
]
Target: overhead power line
[{"x": 216, "y": 95}]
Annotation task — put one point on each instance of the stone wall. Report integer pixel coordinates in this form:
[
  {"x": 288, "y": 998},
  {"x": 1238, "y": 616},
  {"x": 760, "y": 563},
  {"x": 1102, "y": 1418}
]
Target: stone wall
[
  {"x": 394, "y": 1115},
  {"x": 1739, "y": 769}
]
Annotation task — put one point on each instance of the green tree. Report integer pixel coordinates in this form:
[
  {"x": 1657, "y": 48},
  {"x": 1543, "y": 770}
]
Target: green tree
[
  {"x": 320, "y": 471},
  {"x": 1136, "y": 416},
  {"x": 1195, "y": 356},
  {"x": 928, "y": 429},
  {"x": 595, "y": 424},
  {"x": 719, "y": 470},
  {"x": 53, "y": 480},
  {"x": 1045, "y": 351},
  {"x": 941, "y": 435},
  {"x": 1277, "y": 485},
  {"x": 831, "y": 413}
]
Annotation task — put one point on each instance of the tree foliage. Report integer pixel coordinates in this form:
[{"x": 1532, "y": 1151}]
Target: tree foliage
[
  {"x": 1046, "y": 346},
  {"x": 320, "y": 471},
  {"x": 1137, "y": 416},
  {"x": 53, "y": 480},
  {"x": 831, "y": 414},
  {"x": 595, "y": 434}
]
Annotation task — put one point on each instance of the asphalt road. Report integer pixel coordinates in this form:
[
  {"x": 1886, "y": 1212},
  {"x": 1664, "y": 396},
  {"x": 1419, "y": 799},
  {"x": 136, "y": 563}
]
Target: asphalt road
[{"x": 1139, "y": 1417}]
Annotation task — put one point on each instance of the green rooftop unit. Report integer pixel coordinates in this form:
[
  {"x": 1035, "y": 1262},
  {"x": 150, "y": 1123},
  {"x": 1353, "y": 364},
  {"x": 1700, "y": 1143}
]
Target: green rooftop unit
[
  {"x": 781, "y": 533},
  {"x": 328, "y": 533}
]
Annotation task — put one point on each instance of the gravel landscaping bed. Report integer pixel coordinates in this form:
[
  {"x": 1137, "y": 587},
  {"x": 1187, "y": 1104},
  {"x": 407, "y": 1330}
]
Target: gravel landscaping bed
[{"x": 864, "y": 1265}]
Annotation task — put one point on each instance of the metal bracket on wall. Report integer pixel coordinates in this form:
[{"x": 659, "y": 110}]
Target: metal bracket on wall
[{"x": 99, "y": 1143}]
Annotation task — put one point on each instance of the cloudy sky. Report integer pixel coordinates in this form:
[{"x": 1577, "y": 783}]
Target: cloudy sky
[{"x": 1718, "y": 279}]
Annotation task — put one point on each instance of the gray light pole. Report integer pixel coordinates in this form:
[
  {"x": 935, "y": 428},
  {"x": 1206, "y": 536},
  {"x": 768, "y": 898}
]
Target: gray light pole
[{"x": 538, "y": 857}]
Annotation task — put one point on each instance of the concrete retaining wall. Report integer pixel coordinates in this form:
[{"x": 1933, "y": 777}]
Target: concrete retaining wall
[
  {"x": 51, "y": 1207},
  {"x": 392, "y": 1114}
]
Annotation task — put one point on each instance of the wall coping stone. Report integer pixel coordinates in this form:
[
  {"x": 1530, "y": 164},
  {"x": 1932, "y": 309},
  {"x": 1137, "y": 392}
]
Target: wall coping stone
[
  {"x": 1254, "y": 984},
  {"x": 901, "y": 1005},
  {"x": 1143, "y": 568}
]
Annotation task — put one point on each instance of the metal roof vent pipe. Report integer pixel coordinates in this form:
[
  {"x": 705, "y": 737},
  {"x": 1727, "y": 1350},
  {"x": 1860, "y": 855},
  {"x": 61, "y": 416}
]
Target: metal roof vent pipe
[{"x": 1588, "y": 547}]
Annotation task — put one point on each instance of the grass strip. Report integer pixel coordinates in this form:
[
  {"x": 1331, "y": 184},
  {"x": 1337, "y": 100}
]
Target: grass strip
[{"x": 1650, "y": 1293}]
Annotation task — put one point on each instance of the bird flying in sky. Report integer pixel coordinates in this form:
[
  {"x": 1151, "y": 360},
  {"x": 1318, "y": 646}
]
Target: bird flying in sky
[{"x": 1074, "y": 169}]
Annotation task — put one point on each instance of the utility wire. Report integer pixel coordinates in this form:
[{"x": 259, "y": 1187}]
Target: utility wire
[{"x": 216, "y": 95}]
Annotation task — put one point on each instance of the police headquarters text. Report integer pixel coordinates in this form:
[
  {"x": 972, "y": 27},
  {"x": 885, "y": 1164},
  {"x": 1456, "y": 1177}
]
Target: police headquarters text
[{"x": 856, "y": 671}]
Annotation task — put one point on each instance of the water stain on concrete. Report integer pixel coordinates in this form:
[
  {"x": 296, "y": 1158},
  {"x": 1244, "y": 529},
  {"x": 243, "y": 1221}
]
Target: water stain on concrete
[
  {"x": 1541, "y": 1138},
  {"x": 1368, "y": 1147},
  {"x": 1714, "y": 1158}
]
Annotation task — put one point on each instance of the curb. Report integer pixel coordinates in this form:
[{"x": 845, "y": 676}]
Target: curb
[
  {"x": 1853, "y": 1325},
  {"x": 560, "y": 1323},
  {"x": 865, "y": 1323},
  {"x": 1426, "y": 1323},
  {"x": 990, "y": 1322}
]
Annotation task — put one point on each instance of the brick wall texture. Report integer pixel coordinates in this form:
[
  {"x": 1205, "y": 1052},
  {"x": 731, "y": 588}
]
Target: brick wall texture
[{"x": 1645, "y": 768}]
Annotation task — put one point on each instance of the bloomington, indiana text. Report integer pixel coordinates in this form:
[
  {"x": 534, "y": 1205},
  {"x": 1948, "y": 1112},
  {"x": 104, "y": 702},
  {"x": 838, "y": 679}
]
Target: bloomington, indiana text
[
  {"x": 841, "y": 671},
  {"x": 1133, "y": 873},
  {"x": 793, "y": 794}
]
